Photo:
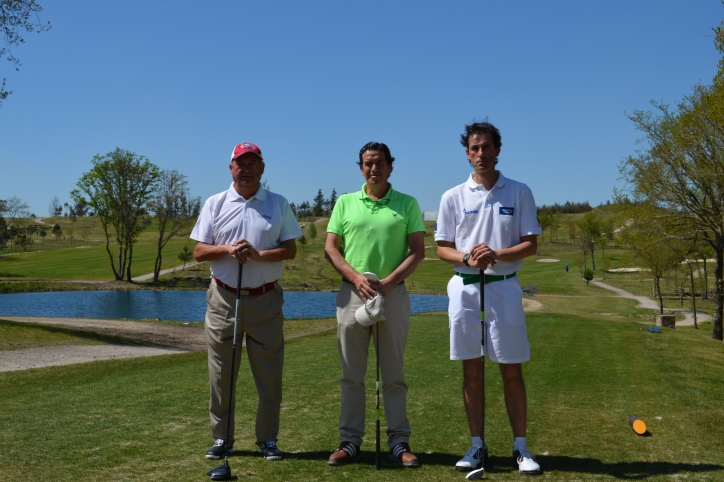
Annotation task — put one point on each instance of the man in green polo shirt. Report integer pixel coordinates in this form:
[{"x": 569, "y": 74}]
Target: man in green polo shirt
[{"x": 382, "y": 232}]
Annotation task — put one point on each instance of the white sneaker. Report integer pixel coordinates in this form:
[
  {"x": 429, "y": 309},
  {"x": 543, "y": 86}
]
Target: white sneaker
[
  {"x": 474, "y": 459},
  {"x": 526, "y": 462}
]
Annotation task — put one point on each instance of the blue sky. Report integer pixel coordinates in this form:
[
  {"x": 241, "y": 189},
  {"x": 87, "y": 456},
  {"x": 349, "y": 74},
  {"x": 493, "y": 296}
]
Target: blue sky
[{"x": 182, "y": 82}]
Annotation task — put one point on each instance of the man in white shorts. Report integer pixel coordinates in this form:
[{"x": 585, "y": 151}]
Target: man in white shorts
[{"x": 488, "y": 223}]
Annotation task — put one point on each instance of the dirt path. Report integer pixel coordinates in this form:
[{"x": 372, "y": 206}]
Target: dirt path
[
  {"x": 180, "y": 267},
  {"x": 13, "y": 360},
  {"x": 648, "y": 303},
  {"x": 174, "y": 338}
]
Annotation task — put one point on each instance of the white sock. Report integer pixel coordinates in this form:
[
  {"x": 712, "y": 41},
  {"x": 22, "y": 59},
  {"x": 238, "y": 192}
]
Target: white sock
[
  {"x": 519, "y": 443},
  {"x": 478, "y": 441}
]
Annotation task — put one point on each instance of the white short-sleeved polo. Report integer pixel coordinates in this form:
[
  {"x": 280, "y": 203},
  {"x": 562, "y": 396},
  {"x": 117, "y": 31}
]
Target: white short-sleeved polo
[
  {"x": 469, "y": 215},
  {"x": 265, "y": 220}
]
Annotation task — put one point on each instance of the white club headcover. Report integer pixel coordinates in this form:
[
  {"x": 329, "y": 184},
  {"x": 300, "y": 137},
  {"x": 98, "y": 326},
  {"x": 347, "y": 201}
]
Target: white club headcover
[{"x": 372, "y": 311}]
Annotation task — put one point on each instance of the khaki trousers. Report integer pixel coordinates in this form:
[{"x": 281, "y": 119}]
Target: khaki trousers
[
  {"x": 353, "y": 341},
  {"x": 262, "y": 320}
]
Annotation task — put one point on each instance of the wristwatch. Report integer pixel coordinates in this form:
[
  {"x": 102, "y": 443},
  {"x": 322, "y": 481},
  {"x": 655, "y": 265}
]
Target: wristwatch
[{"x": 466, "y": 258}]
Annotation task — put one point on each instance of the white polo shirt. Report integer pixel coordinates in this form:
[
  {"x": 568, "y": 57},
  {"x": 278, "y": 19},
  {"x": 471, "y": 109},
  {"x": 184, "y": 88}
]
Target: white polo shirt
[
  {"x": 265, "y": 220},
  {"x": 469, "y": 215}
]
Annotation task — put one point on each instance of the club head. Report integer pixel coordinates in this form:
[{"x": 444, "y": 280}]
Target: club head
[
  {"x": 475, "y": 474},
  {"x": 222, "y": 472}
]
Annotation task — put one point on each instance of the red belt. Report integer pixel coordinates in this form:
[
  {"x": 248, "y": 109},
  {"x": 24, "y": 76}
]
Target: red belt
[{"x": 252, "y": 292}]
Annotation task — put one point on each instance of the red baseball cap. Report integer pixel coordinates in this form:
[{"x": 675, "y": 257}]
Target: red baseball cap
[{"x": 245, "y": 147}]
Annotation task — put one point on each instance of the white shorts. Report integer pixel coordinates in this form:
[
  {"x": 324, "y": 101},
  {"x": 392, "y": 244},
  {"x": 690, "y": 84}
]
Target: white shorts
[{"x": 506, "y": 340}]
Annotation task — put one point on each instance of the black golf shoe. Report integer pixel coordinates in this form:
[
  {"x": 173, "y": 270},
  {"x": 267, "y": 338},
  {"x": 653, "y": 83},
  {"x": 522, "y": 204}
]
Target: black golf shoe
[
  {"x": 270, "y": 451},
  {"x": 220, "y": 449}
]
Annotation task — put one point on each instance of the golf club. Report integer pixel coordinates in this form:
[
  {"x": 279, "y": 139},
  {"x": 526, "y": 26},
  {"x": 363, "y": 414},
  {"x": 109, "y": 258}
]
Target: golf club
[
  {"x": 478, "y": 473},
  {"x": 377, "y": 407},
  {"x": 223, "y": 472}
]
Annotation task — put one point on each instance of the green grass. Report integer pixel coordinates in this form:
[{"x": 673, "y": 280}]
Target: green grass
[
  {"x": 146, "y": 419},
  {"x": 17, "y": 336},
  {"x": 87, "y": 262}
]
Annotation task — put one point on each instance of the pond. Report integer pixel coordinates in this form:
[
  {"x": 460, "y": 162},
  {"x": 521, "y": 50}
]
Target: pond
[{"x": 171, "y": 305}]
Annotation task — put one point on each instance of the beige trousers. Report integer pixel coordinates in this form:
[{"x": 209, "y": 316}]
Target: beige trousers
[
  {"x": 262, "y": 320},
  {"x": 353, "y": 341}
]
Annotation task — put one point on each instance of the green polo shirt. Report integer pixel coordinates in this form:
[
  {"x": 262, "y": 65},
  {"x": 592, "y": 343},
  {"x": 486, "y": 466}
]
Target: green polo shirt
[{"x": 375, "y": 232}]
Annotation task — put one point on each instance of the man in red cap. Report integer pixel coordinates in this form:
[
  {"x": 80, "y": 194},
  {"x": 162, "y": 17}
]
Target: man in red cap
[{"x": 245, "y": 224}]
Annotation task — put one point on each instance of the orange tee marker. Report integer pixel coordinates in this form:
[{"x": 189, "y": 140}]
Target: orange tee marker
[{"x": 638, "y": 425}]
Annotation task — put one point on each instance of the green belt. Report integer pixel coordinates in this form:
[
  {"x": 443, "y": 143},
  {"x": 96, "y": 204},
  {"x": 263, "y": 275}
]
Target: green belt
[{"x": 469, "y": 279}]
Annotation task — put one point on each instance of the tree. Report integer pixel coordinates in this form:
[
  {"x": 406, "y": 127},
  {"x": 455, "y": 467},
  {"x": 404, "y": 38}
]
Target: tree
[
  {"x": 175, "y": 210},
  {"x": 655, "y": 250},
  {"x": 119, "y": 188},
  {"x": 185, "y": 256},
  {"x": 15, "y": 16},
  {"x": 70, "y": 230},
  {"x": 704, "y": 251},
  {"x": 682, "y": 170},
  {"x": 55, "y": 208},
  {"x": 79, "y": 209},
  {"x": 303, "y": 243},
  {"x": 606, "y": 225},
  {"x": 590, "y": 228},
  {"x": 588, "y": 276},
  {"x": 57, "y": 231},
  {"x": 332, "y": 201},
  {"x": 545, "y": 222},
  {"x": 318, "y": 206},
  {"x": 572, "y": 230},
  {"x": 12, "y": 210},
  {"x": 312, "y": 231},
  {"x": 303, "y": 210},
  {"x": 22, "y": 239},
  {"x": 42, "y": 233}
]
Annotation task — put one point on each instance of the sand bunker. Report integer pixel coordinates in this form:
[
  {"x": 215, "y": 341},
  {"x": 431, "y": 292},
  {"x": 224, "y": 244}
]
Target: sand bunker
[
  {"x": 531, "y": 305},
  {"x": 12, "y": 360}
]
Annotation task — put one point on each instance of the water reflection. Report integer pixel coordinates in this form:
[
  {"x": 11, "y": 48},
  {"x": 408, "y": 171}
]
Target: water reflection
[{"x": 170, "y": 305}]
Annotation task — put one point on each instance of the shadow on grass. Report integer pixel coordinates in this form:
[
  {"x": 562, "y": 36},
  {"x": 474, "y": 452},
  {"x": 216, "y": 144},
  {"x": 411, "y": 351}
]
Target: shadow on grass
[
  {"x": 619, "y": 470},
  {"x": 503, "y": 465},
  {"x": 87, "y": 335},
  {"x": 5, "y": 274},
  {"x": 366, "y": 459}
]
